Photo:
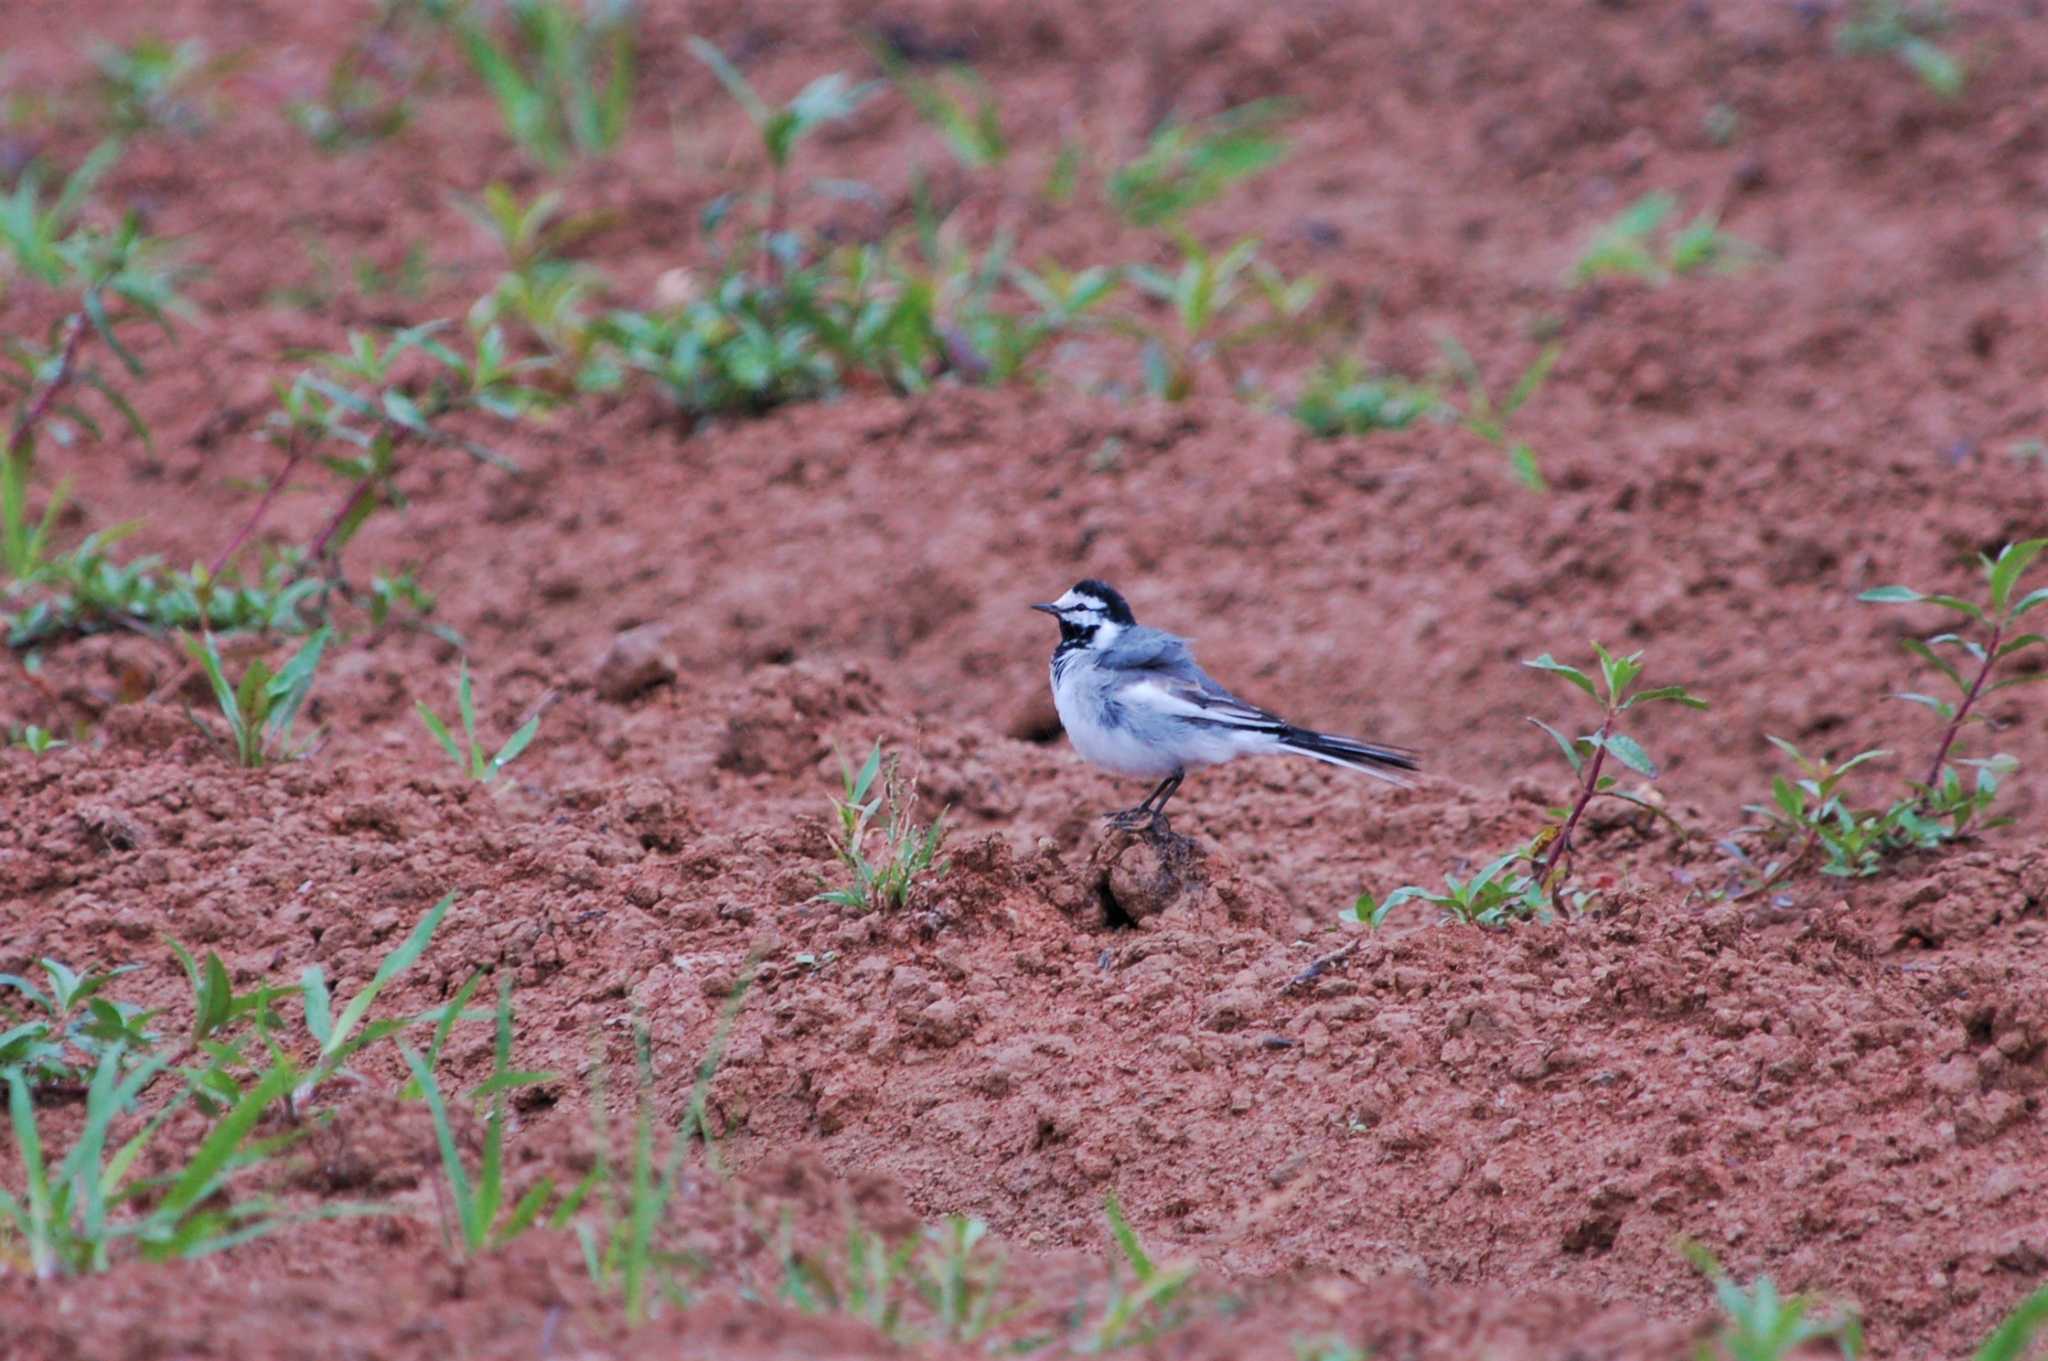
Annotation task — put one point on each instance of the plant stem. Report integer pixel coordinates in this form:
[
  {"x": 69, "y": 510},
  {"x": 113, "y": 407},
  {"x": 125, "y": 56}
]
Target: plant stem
[
  {"x": 775, "y": 211},
  {"x": 1784, "y": 871},
  {"x": 32, "y": 415},
  {"x": 318, "y": 551},
  {"x": 1587, "y": 790},
  {"x": 1955, "y": 724},
  {"x": 294, "y": 455}
]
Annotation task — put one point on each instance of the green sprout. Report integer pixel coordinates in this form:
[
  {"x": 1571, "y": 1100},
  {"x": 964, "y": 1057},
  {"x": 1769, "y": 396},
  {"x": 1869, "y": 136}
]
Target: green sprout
[
  {"x": 1901, "y": 29},
  {"x": 1186, "y": 165},
  {"x": 1616, "y": 693},
  {"x": 562, "y": 75},
  {"x": 1627, "y": 248},
  {"x": 1489, "y": 417},
  {"x": 69, "y": 1026},
  {"x": 1764, "y": 1325},
  {"x": 142, "y": 84},
  {"x": 1209, "y": 298},
  {"x": 908, "y": 857},
  {"x": 260, "y": 709},
  {"x": 468, "y": 755},
  {"x": 1343, "y": 397}
]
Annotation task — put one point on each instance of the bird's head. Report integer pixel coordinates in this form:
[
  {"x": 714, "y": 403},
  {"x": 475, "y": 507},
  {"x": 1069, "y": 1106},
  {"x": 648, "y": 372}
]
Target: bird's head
[{"x": 1090, "y": 615}]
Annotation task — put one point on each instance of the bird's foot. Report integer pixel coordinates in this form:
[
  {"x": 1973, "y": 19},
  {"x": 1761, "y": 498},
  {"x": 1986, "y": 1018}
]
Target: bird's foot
[{"x": 1151, "y": 821}]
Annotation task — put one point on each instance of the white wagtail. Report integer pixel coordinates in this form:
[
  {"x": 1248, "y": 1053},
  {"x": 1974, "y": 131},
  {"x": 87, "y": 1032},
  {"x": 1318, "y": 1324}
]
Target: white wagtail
[{"x": 1134, "y": 701}]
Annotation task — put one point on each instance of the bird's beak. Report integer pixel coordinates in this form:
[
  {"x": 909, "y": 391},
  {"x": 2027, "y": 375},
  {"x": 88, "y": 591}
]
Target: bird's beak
[{"x": 1049, "y": 609}]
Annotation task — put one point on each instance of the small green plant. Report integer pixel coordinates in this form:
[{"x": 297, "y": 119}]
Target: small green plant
[
  {"x": 1491, "y": 897},
  {"x": 260, "y": 709},
  {"x": 1207, "y": 298},
  {"x": 944, "y": 1269},
  {"x": 469, "y": 755},
  {"x": 1627, "y": 247},
  {"x": 908, "y": 857},
  {"x": 2013, "y": 1339},
  {"x": 69, "y": 1025},
  {"x": 538, "y": 290},
  {"x": 1616, "y": 693},
  {"x": 830, "y": 98},
  {"x": 112, "y": 279},
  {"x": 32, "y": 739},
  {"x": 561, "y": 72},
  {"x": 145, "y": 84},
  {"x": 1150, "y": 1305},
  {"x": 1343, "y": 397},
  {"x": 1186, "y": 165},
  {"x": 1490, "y": 418},
  {"x": 1763, "y": 1325},
  {"x": 970, "y": 120},
  {"x": 1903, "y": 29},
  {"x": 483, "y": 1219},
  {"x": 72, "y": 1216},
  {"x": 628, "y": 1207},
  {"x": 740, "y": 347},
  {"x": 86, "y": 591}
]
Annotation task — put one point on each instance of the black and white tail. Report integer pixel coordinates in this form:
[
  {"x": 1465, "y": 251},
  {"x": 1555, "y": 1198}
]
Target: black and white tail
[{"x": 1352, "y": 755}]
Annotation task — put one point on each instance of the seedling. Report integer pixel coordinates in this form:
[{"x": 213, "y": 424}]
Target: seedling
[
  {"x": 1902, "y": 29},
  {"x": 482, "y": 1218},
  {"x": 1491, "y": 897},
  {"x": 1208, "y": 296},
  {"x": 86, "y": 591},
  {"x": 828, "y": 99},
  {"x": 338, "y": 1037},
  {"x": 1627, "y": 247},
  {"x": 260, "y": 709},
  {"x": 1150, "y": 1305},
  {"x": 70, "y": 1026},
  {"x": 619, "y": 1249},
  {"x": 562, "y": 75},
  {"x": 2013, "y": 1338},
  {"x": 1941, "y": 794},
  {"x": 909, "y": 858},
  {"x": 1491, "y": 418},
  {"x": 142, "y": 85},
  {"x": 970, "y": 120},
  {"x": 469, "y": 756},
  {"x": 1343, "y": 397},
  {"x": 738, "y": 348},
  {"x": 73, "y": 1216},
  {"x": 1615, "y": 693},
  {"x": 1186, "y": 165},
  {"x": 1763, "y": 1325},
  {"x": 32, "y": 739}
]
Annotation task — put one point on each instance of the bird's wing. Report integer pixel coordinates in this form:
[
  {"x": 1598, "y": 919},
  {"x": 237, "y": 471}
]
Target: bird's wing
[
  {"x": 1198, "y": 699},
  {"x": 1142, "y": 649}
]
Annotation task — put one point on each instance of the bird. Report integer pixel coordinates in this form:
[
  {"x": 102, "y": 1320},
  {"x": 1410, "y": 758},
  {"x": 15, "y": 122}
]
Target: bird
[{"x": 1134, "y": 701}]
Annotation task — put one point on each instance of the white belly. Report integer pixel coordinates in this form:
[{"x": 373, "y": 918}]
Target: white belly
[{"x": 1115, "y": 747}]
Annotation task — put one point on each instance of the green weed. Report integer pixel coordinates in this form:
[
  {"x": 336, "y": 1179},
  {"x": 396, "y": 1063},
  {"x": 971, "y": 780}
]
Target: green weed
[
  {"x": 32, "y": 739},
  {"x": 619, "y": 1238},
  {"x": 147, "y": 84},
  {"x": 1491, "y": 418},
  {"x": 1903, "y": 29},
  {"x": 1343, "y": 397},
  {"x": 1616, "y": 693},
  {"x": 259, "y": 710},
  {"x": 958, "y": 105},
  {"x": 934, "y": 1287},
  {"x": 469, "y": 755},
  {"x": 1186, "y": 165},
  {"x": 69, "y": 1025},
  {"x": 908, "y": 858},
  {"x": 483, "y": 1219},
  {"x": 74, "y": 1215},
  {"x": 1218, "y": 302},
  {"x": 1150, "y": 1304},
  {"x": 1763, "y": 1325},
  {"x": 2013, "y": 1339},
  {"x": 1628, "y": 247},
  {"x": 829, "y": 99},
  {"x": 86, "y": 591},
  {"x": 1490, "y": 897},
  {"x": 561, "y": 72}
]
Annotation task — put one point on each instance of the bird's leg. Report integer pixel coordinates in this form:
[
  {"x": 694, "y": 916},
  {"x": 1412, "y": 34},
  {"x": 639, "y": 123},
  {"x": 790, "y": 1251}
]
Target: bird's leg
[{"x": 1152, "y": 812}]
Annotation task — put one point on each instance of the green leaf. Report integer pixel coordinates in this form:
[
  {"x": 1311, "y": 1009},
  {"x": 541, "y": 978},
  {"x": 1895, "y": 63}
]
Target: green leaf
[
  {"x": 442, "y": 735},
  {"x": 2013, "y": 1338},
  {"x": 2029, "y": 601},
  {"x": 1891, "y": 595},
  {"x": 1629, "y": 752},
  {"x": 1943, "y": 664},
  {"x": 1940, "y": 706},
  {"x": 2034, "y": 679},
  {"x": 1958, "y": 604},
  {"x": 319, "y": 1004},
  {"x": 1522, "y": 462},
  {"x": 1546, "y": 662},
  {"x": 2012, "y": 560},
  {"x": 514, "y": 745},
  {"x": 1564, "y": 744},
  {"x": 395, "y": 963},
  {"x": 1676, "y": 694},
  {"x": 2025, "y": 640}
]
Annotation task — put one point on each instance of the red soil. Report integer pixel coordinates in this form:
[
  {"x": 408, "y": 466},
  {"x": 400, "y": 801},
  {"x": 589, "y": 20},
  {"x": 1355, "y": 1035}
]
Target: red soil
[{"x": 1453, "y": 1143}]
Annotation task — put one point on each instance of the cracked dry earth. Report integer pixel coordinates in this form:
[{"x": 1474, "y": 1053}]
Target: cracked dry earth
[{"x": 1449, "y": 1143}]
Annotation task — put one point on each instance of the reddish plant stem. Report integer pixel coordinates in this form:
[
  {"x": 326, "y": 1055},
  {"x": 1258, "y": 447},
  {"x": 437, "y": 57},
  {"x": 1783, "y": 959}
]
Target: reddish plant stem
[
  {"x": 295, "y": 454},
  {"x": 319, "y": 549},
  {"x": 1955, "y": 725},
  {"x": 775, "y": 225},
  {"x": 67, "y": 358},
  {"x": 1563, "y": 845}
]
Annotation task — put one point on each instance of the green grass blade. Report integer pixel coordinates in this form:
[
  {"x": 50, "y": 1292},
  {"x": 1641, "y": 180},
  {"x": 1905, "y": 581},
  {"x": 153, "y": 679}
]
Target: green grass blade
[{"x": 394, "y": 964}]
